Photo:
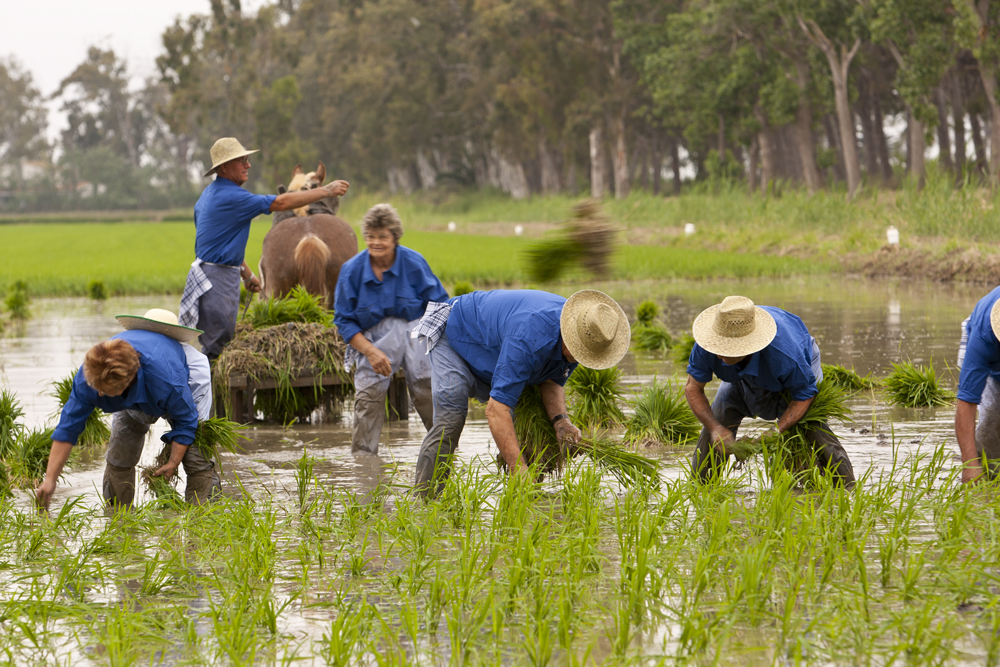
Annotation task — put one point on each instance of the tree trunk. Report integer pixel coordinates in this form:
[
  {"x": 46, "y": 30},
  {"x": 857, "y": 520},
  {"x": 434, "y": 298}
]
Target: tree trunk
[
  {"x": 675, "y": 163},
  {"x": 958, "y": 114},
  {"x": 656, "y": 158},
  {"x": 752, "y": 171},
  {"x": 547, "y": 164},
  {"x": 987, "y": 71},
  {"x": 944, "y": 141},
  {"x": 978, "y": 143},
  {"x": 885, "y": 165},
  {"x": 619, "y": 157},
  {"x": 803, "y": 130},
  {"x": 721, "y": 144},
  {"x": 765, "y": 142},
  {"x": 833, "y": 139},
  {"x": 918, "y": 144},
  {"x": 864, "y": 109},
  {"x": 597, "y": 176},
  {"x": 909, "y": 142}
]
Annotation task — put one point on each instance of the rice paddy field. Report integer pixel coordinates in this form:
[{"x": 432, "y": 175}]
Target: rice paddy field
[{"x": 317, "y": 557}]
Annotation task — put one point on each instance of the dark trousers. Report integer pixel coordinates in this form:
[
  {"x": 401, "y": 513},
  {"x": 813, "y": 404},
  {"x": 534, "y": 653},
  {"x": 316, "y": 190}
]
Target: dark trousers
[{"x": 218, "y": 308}]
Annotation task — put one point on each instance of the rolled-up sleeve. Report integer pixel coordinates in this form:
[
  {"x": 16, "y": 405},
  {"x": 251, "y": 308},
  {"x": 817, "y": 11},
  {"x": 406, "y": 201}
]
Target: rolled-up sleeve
[
  {"x": 75, "y": 413},
  {"x": 700, "y": 364},
  {"x": 183, "y": 418},
  {"x": 975, "y": 371}
]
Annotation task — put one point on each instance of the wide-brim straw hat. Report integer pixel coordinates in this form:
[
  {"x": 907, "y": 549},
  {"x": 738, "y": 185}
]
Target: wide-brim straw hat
[
  {"x": 995, "y": 319},
  {"x": 734, "y": 328},
  {"x": 160, "y": 321},
  {"x": 224, "y": 150},
  {"x": 595, "y": 329}
]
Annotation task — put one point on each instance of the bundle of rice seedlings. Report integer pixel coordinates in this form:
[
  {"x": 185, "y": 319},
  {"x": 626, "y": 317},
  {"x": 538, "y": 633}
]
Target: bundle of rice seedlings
[
  {"x": 646, "y": 312},
  {"x": 462, "y": 287},
  {"x": 29, "y": 458},
  {"x": 96, "y": 290},
  {"x": 539, "y": 446},
  {"x": 10, "y": 424},
  {"x": 662, "y": 417},
  {"x": 651, "y": 337},
  {"x": 594, "y": 397},
  {"x": 298, "y": 306},
  {"x": 17, "y": 301},
  {"x": 96, "y": 431},
  {"x": 912, "y": 386},
  {"x": 682, "y": 349},
  {"x": 848, "y": 380},
  {"x": 588, "y": 238},
  {"x": 214, "y": 436}
]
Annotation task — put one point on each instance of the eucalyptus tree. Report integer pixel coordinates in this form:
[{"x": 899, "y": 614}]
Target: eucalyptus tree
[
  {"x": 22, "y": 117},
  {"x": 984, "y": 40}
]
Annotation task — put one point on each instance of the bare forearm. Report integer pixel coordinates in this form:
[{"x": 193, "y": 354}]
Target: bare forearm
[
  {"x": 58, "y": 456},
  {"x": 965, "y": 430},
  {"x": 502, "y": 428},
  {"x": 702, "y": 409},
  {"x": 360, "y": 343},
  {"x": 795, "y": 411},
  {"x": 177, "y": 452},
  {"x": 290, "y": 200},
  {"x": 553, "y": 398}
]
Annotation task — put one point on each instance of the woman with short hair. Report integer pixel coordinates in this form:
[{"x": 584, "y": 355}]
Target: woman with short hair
[{"x": 381, "y": 295}]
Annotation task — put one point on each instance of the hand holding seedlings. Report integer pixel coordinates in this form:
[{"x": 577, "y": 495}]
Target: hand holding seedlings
[
  {"x": 167, "y": 470},
  {"x": 568, "y": 434}
]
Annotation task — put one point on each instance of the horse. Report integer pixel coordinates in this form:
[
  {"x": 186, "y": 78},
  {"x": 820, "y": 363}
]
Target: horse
[{"x": 306, "y": 246}]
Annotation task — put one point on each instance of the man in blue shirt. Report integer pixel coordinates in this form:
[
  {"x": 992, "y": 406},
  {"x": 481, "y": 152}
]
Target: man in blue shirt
[
  {"x": 222, "y": 219},
  {"x": 139, "y": 375},
  {"x": 490, "y": 345},
  {"x": 381, "y": 294},
  {"x": 769, "y": 366},
  {"x": 979, "y": 361}
]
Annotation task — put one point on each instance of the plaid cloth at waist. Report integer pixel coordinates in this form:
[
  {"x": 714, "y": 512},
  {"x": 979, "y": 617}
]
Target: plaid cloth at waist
[
  {"x": 432, "y": 324},
  {"x": 197, "y": 284}
]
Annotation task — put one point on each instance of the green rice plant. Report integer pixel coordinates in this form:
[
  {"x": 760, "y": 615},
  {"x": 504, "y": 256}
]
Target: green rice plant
[
  {"x": 662, "y": 417},
  {"x": 11, "y": 427},
  {"x": 218, "y": 434},
  {"x": 462, "y": 287},
  {"x": 29, "y": 458},
  {"x": 96, "y": 431},
  {"x": 298, "y": 306},
  {"x": 304, "y": 477},
  {"x": 549, "y": 259},
  {"x": 594, "y": 397},
  {"x": 848, "y": 380},
  {"x": 651, "y": 337},
  {"x": 682, "y": 350},
  {"x": 913, "y": 386},
  {"x": 647, "y": 312},
  {"x": 17, "y": 301},
  {"x": 96, "y": 290}
]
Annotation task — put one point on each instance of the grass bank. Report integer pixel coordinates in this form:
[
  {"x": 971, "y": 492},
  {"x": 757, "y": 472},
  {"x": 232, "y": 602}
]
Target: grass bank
[{"x": 60, "y": 259}]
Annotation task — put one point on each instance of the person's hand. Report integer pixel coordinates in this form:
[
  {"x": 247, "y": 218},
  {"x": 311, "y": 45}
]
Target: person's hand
[
  {"x": 336, "y": 188},
  {"x": 43, "y": 494},
  {"x": 252, "y": 283},
  {"x": 722, "y": 437},
  {"x": 380, "y": 363},
  {"x": 972, "y": 472},
  {"x": 167, "y": 470},
  {"x": 568, "y": 435}
]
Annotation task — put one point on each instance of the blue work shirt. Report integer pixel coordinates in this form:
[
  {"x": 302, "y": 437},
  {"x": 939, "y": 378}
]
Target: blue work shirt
[
  {"x": 509, "y": 338},
  {"x": 160, "y": 389},
  {"x": 222, "y": 218},
  {"x": 362, "y": 300},
  {"x": 982, "y": 351},
  {"x": 784, "y": 365}
]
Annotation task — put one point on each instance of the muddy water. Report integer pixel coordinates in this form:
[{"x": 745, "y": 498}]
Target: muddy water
[{"x": 862, "y": 324}]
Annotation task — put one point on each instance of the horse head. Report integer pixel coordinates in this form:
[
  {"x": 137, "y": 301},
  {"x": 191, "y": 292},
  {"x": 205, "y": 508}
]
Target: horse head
[{"x": 308, "y": 181}]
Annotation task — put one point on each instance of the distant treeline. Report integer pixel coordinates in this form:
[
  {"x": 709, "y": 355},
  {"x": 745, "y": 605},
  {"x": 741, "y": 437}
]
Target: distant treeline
[{"x": 532, "y": 96}]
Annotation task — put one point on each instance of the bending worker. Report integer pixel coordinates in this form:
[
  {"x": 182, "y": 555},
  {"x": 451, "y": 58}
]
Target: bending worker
[
  {"x": 761, "y": 354},
  {"x": 140, "y": 375},
  {"x": 381, "y": 295},
  {"x": 979, "y": 361},
  {"x": 490, "y": 345},
  {"x": 222, "y": 216}
]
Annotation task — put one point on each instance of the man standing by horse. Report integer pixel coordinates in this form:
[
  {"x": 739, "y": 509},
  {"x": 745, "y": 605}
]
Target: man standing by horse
[{"x": 222, "y": 217}]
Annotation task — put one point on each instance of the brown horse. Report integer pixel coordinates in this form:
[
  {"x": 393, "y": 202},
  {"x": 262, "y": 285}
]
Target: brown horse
[{"x": 307, "y": 247}]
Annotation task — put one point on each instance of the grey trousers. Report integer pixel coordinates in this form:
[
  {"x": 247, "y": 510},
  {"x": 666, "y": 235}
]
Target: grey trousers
[
  {"x": 392, "y": 337},
  {"x": 218, "y": 308},
  {"x": 453, "y": 385},
  {"x": 988, "y": 428},
  {"x": 734, "y": 402},
  {"x": 128, "y": 434}
]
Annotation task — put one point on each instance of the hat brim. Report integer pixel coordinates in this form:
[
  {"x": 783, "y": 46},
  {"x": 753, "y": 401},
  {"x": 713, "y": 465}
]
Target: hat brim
[
  {"x": 704, "y": 334},
  {"x": 175, "y": 331},
  {"x": 995, "y": 319},
  {"x": 229, "y": 159},
  {"x": 569, "y": 318}
]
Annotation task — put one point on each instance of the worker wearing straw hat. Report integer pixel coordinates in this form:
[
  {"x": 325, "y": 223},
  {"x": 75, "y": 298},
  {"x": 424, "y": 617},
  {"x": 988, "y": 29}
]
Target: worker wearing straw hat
[
  {"x": 222, "y": 219},
  {"x": 147, "y": 372},
  {"x": 978, "y": 387},
  {"x": 770, "y": 368},
  {"x": 490, "y": 345}
]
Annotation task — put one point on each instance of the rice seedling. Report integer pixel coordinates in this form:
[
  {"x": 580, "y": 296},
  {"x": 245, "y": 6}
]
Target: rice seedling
[
  {"x": 587, "y": 238},
  {"x": 848, "y": 380},
  {"x": 647, "y": 312},
  {"x": 10, "y": 421},
  {"x": 29, "y": 458},
  {"x": 217, "y": 435},
  {"x": 17, "y": 301},
  {"x": 651, "y": 337},
  {"x": 661, "y": 416},
  {"x": 913, "y": 386},
  {"x": 298, "y": 306},
  {"x": 96, "y": 291},
  {"x": 681, "y": 352},
  {"x": 594, "y": 397},
  {"x": 96, "y": 431},
  {"x": 462, "y": 287}
]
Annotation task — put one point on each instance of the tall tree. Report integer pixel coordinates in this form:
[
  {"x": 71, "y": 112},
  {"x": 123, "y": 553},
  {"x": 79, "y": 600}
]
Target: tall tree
[{"x": 22, "y": 117}]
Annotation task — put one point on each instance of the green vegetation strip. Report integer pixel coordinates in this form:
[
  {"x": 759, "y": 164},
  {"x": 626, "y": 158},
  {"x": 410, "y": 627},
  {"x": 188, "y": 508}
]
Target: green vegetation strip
[{"x": 153, "y": 258}]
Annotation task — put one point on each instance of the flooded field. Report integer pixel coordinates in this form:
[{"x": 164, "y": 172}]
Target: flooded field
[{"x": 320, "y": 557}]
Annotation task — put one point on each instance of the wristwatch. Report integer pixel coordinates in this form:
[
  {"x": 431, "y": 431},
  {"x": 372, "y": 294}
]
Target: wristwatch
[{"x": 561, "y": 415}]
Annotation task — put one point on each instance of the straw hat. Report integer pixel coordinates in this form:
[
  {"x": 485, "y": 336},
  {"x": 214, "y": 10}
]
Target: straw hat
[
  {"x": 159, "y": 321},
  {"x": 995, "y": 319},
  {"x": 734, "y": 328},
  {"x": 224, "y": 150},
  {"x": 595, "y": 329}
]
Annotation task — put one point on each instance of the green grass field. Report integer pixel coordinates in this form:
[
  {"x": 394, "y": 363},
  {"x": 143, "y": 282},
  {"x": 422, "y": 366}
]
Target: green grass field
[{"x": 146, "y": 258}]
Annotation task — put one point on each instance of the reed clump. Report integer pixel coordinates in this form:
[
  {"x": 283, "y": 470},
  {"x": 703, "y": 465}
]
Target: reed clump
[
  {"x": 587, "y": 239},
  {"x": 849, "y": 380},
  {"x": 594, "y": 397},
  {"x": 912, "y": 386},
  {"x": 661, "y": 416},
  {"x": 96, "y": 431}
]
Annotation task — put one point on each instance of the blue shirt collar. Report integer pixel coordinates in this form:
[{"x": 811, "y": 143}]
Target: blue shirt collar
[
  {"x": 753, "y": 366},
  {"x": 369, "y": 274}
]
